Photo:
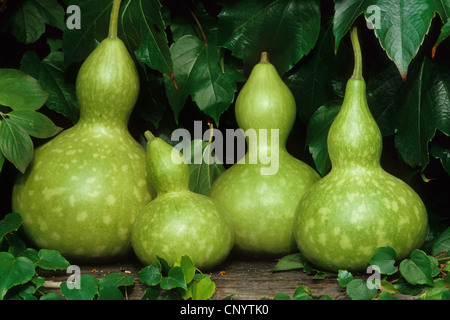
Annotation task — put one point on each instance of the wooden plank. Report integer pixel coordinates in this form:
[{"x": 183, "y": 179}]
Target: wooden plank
[{"x": 238, "y": 278}]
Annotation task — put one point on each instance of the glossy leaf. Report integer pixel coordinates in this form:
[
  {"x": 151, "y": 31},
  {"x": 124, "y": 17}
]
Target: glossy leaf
[
  {"x": 16, "y": 144},
  {"x": 11, "y": 222},
  {"x": 417, "y": 269},
  {"x": 14, "y": 271},
  {"x": 50, "y": 73},
  {"x": 51, "y": 260},
  {"x": 357, "y": 289},
  {"x": 384, "y": 258},
  {"x": 31, "y": 18},
  {"x": 151, "y": 275},
  {"x": 317, "y": 134},
  {"x": 88, "y": 288},
  {"x": 144, "y": 32},
  {"x": 442, "y": 243},
  {"x": 34, "y": 123},
  {"x": 198, "y": 73},
  {"x": 174, "y": 279},
  {"x": 287, "y": 30},
  {"x": 20, "y": 91}
]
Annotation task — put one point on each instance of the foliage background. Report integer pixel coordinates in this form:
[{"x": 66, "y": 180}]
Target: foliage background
[{"x": 208, "y": 49}]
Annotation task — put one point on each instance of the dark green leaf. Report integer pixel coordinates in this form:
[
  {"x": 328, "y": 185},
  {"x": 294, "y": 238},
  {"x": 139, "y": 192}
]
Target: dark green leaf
[
  {"x": 16, "y": 245},
  {"x": 445, "y": 32},
  {"x": 281, "y": 296},
  {"x": 417, "y": 117},
  {"x": 11, "y": 222},
  {"x": 317, "y": 134},
  {"x": 14, "y": 271},
  {"x": 344, "y": 278},
  {"x": 95, "y": 16},
  {"x": 51, "y": 75},
  {"x": 357, "y": 290},
  {"x": 443, "y": 154},
  {"x": 16, "y": 144},
  {"x": 174, "y": 279},
  {"x": 437, "y": 291},
  {"x": 384, "y": 258},
  {"x": 188, "y": 267},
  {"x": 51, "y": 260},
  {"x": 110, "y": 292},
  {"x": 20, "y": 91},
  {"x": 28, "y": 22},
  {"x": 290, "y": 262},
  {"x": 442, "y": 243},
  {"x": 151, "y": 275},
  {"x": 286, "y": 29},
  {"x": 302, "y": 293},
  {"x": 116, "y": 279},
  {"x": 34, "y": 123},
  {"x": 198, "y": 74},
  {"x": 88, "y": 288},
  {"x": 311, "y": 81},
  {"x": 203, "y": 167},
  {"x": 346, "y": 11},
  {"x": 144, "y": 31},
  {"x": 417, "y": 269},
  {"x": 51, "y": 296}
]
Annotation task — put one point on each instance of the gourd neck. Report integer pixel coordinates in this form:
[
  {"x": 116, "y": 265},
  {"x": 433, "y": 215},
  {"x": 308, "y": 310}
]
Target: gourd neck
[
  {"x": 166, "y": 167},
  {"x": 265, "y": 109},
  {"x": 354, "y": 138}
]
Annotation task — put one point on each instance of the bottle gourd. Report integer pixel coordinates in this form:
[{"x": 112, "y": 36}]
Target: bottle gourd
[
  {"x": 84, "y": 188},
  {"x": 357, "y": 206},
  {"x": 261, "y": 195},
  {"x": 178, "y": 221}
]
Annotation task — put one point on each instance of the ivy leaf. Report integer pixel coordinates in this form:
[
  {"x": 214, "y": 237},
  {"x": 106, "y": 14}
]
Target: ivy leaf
[
  {"x": 79, "y": 43},
  {"x": 426, "y": 108},
  {"x": 384, "y": 258},
  {"x": 286, "y": 29},
  {"x": 11, "y": 222},
  {"x": 174, "y": 279},
  {"x": 357, "y": 290},
  {"x": 417, "y": 269},
  {"x": 151, "y": 275},
  {"x": 442, "y": 243},
  {"x": 188, "y": 267},
  {"x": 290, "y": 262},
  {"x": 311, "y": 81},
  {"x": 28, "y": 22},
  {"x": 116, "y": 279},
  {"x": 203, "y": 167},
  {"x": 88, "y": 288},
  {"x": 14, "y": 271},
  {"x": 344, "y": 278},
  {"x": 20, "y": 91},
  {"x": 16, "y": 144},
  {"x": 198, "y": 74},
  {"x": 51, "y": 260},
  {"x": 110, "y": 292},
  {"x": 34, "y": 123},
  {"x": 51, "y": 75},
  {"x": 317, "y": 134},
  {"x": 144, "y": 31}
]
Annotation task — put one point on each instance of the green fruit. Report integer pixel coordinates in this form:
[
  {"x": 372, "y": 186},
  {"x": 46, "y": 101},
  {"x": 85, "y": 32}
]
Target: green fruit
[
  {"x": 85, "y": 187},
  {"x": 261, "y": 198},
  {"x": 178, "y": 221},
  {"x": 358, "y": 206}
]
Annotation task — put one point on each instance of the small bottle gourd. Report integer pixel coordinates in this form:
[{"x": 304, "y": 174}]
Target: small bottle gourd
[
  {"x": 178, "y": 221},
  {"x": 357, "y": 207},
  {"x": 84, "y": 188},
  {"x": 261, "y": 195}
]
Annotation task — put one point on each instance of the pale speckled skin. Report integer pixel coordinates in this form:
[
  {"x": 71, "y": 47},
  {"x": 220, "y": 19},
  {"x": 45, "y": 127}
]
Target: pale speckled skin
[
  {"x": 262, "y": 207},
  {"x": 85, "y": 187},
  {"x": 358, "y": 206},
  {"x": 179, "y": 222}
]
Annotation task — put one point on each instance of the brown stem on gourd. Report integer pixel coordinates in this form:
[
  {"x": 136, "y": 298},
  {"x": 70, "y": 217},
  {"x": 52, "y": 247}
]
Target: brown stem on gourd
[{"x": 264, "y": 57}]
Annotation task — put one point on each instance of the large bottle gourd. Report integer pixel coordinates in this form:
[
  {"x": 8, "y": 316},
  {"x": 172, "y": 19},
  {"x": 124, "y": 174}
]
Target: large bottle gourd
[
  {"x": 84, "y": 188},
  {"x": 178, "y": 221},
  {"x": 262, "y": 190},
  {"x": 357, "y": 206}
]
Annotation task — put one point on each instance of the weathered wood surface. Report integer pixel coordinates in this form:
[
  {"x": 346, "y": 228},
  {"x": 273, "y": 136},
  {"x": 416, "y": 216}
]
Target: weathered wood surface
[{"x": 241, "y": 279}]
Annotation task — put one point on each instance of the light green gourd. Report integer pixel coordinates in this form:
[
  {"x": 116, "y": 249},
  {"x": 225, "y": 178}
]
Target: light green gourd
[
  {"x": 178, "y": 221},
  {"x": 357, "y": 207},
  {"x": 261, "y": 197},
  {"x": 84, "y": 188}
]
